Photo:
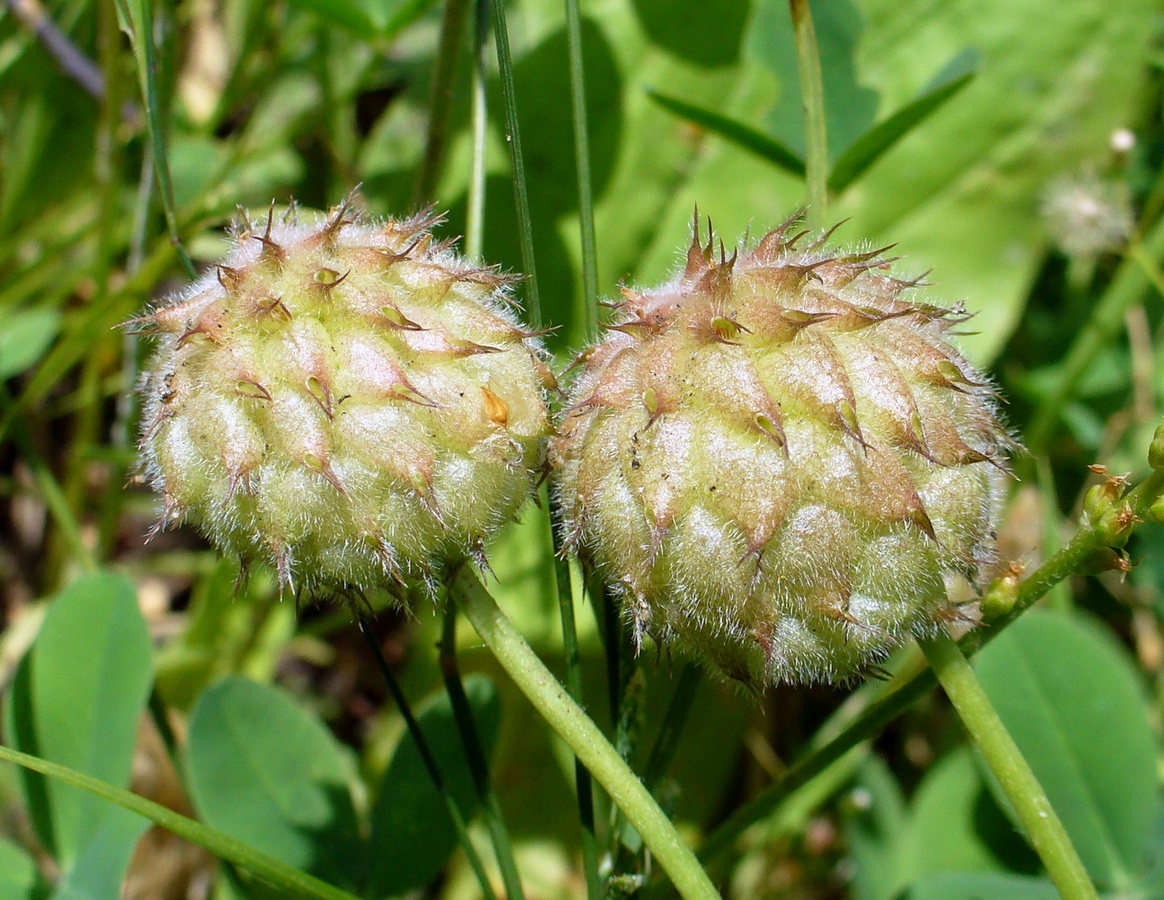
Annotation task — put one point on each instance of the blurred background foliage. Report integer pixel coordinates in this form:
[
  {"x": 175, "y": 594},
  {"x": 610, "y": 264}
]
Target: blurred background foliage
[{"x": 1044, "y": 121}]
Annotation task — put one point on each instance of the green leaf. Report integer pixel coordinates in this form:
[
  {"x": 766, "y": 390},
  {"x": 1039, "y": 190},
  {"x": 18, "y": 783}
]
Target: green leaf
[
  {"x": 763, "y": 145},
  {"x": 76, "y": 700},
  {"x": 875, "y": 824},
  {"x": 24, "y": 337},
  {"x": 706, "y": 33},
  {"x": 955, "y": 825},
  {"x": 18, "y": 876},
  {"x": 264, "y": 771},
  {"x": 870, "y": 146},
  {"x": 1071, "y": 699},
  {"x": 291, "y": 882},
  {"x": 412, "y": 835},
  {"x": 345, "y": 13},
  {"x": 981, "y": 886}
]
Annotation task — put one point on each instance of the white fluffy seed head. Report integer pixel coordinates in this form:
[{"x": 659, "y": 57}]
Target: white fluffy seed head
[
  {"x": 779, "y": 461},
  {"x": 345, "y": 399}
]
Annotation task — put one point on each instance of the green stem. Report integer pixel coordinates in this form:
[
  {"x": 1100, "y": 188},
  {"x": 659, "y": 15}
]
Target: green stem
[
  {"x": 516, "y": 163},
  {"x": 140, "y": 15},
  {"x": 1128, "y": 286},
  {"x": 475, "y": 755},
  {"x": 582, "y": 163},
  {"x": 288, "y": 881},
  {"x": 585, "y": 787},
  {"x": 428, "y": 759},
  {"x": 899, "y": 696},
  {"x": 1018, "y": 782},
  {"x": 440, "y": 98},
  {"x": 812, "y": 100},
  {"x": 583, "y": 736}
]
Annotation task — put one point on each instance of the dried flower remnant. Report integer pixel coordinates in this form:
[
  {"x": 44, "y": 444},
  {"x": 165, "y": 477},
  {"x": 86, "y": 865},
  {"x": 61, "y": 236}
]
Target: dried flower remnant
[{"x": 1086, "y": 215}]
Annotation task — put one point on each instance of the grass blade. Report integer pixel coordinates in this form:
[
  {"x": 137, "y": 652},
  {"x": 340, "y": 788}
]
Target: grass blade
[
  {"x": 879, "y": 139},
  {"x": 517, "y": 164},
  {"x": 266, "y": 868},
  {"x": 763, "y": 145}
]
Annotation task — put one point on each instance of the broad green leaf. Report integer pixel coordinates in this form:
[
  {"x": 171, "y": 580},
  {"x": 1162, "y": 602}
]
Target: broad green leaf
[
  {"x": 875, "y": 142},
  {"x": 707, "y": 33},
  {"x": 763, "y": 145},
  {"x": 291, "y": 882},
  {"x": 955, "y": 825},
  {"x": 960, "y": 195},
  {"x": 24, "y": 337},
  {"x": 412, "y": 835},
  {"x": 980, "y": 886},
  {"x": 1071, "y": 699},
  {"x": 18, "y": 875},
  {"x": 875, "y": 827},
  {"x": 345, "y": 13},
  {"x": 76, "y": 699},
  {"x": 265, "y": 772},
  {"x": 100, "y": 866}
]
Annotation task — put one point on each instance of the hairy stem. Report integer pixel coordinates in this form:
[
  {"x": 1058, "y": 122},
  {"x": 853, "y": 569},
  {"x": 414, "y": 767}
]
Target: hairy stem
[
  {"x": 1018, "y": 782},
  {"x": 584, "y": 737}
]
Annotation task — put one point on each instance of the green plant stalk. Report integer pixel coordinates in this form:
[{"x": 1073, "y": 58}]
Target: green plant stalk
[
  {"x": 533, "y": 305},
  {"x": 904, "y": 692},
  {"x": 430, "y": 763},
  {"x": 475, "y": 198},
  {"x": 582, "y": 163},
  {"x": 816, "y": 150},
  {"x": 475, "y": 755},
  {"x": 440, "y": 99},
  {"x": 1040, "y": 821},
  {"x": 139, "y": 14},
  {"x": 584, "y": 737},
  {"x": 1128, "y": 286},
  {"x": 583, "y": 784},
  {"x": 277, "y": 874}
]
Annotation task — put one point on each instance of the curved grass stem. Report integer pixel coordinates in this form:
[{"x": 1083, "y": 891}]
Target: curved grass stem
[
  {"x": 428, "y": 759},
  {"x": 583, "y": 737},
  {"x": 567, "y": 599},
  {"x": 1040, "y": 821},
  {"x": 475, "y": 754}
]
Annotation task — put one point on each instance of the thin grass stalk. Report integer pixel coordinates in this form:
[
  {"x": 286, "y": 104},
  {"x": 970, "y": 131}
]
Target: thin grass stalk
[
  {"x": 475, "y": 198},
  {"x": 1028, "y": 799},
  {"x": 430, "y": 763},
  {"x": 580, "y": 733},
  {"x": 667, "y": 740},
  {"x": 533, "y": 303},
  {"x": 442, "y": 92},
  {"x": 567, "y": 599},
  {"x": 816, "y": 150},
  {"x": 589, "y": 309},
  {"x": 475, "y": 755},
  {"x": 287, "y": 880},
  {"x": 904, "y": 692},
  {"x": 140, "y": 15}
]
